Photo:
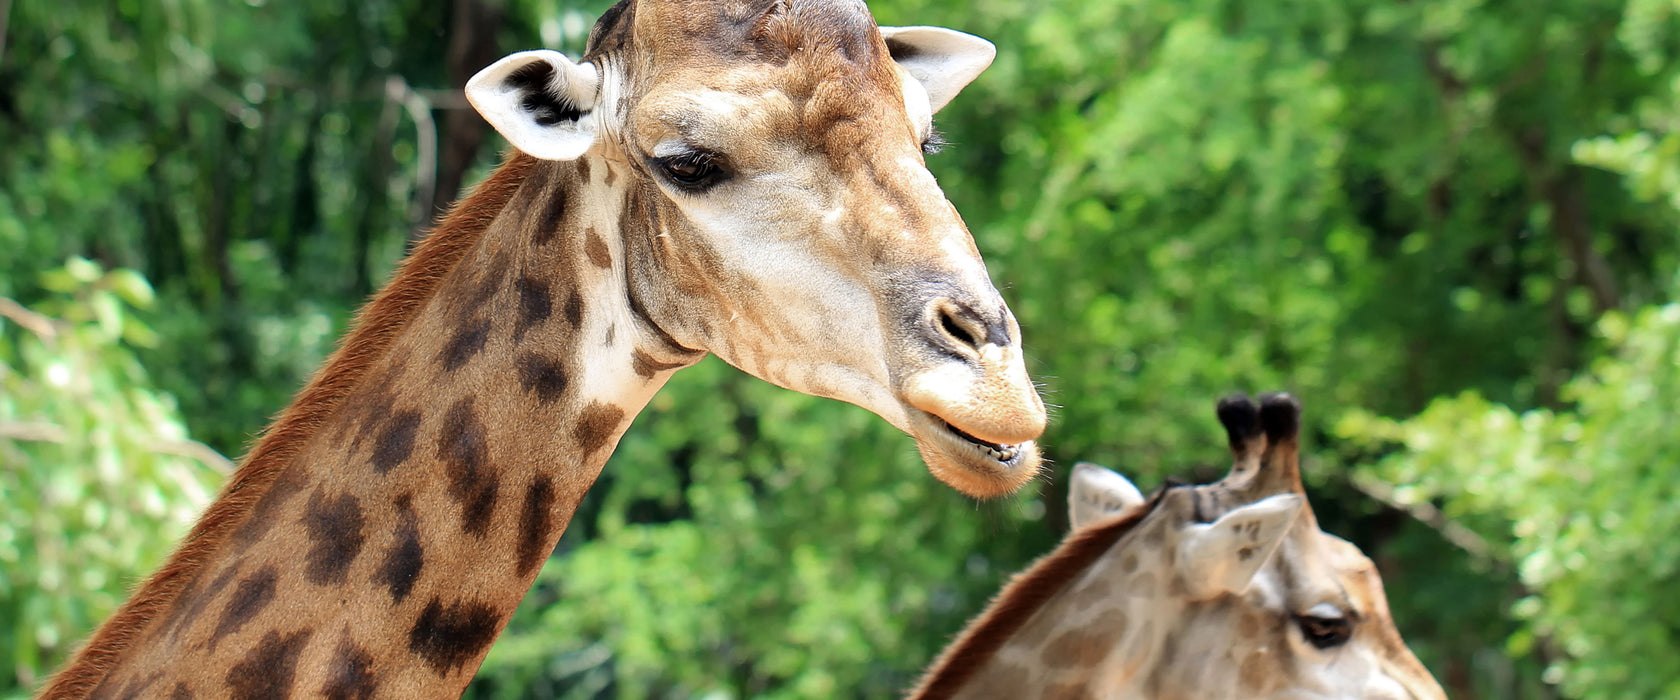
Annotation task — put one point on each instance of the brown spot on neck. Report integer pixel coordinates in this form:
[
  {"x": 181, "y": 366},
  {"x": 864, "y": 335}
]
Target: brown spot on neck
[
  {"x": 1086, "y": 645},
  {"x": 267, "y": 671},
  {"x": 536, "y": 304},
  {"x": 595, "y": 426},
  {"x": 543, "y": 377},
  {"x": 335, "y": 527},
  {"x": 467, "y": 342},
  {"x": 254, "y": 593},
  {"x": 396, "y": 440},
  {"x": 536, "y": 524},
  {"x": 406, "y": 556},
  {"x": 351, "y": 675},
  {"x": 596, "y": 249},
  {"x": 193, "y": 603},
  {"x": 646, "y": 366},
  {"x": 553, "y": 217},
  {"x": 574, "y": 309},
  {"x": 448, "y": 637},
  {"x": 288, "y": 483},
  {"x": 464, "y": 448}
]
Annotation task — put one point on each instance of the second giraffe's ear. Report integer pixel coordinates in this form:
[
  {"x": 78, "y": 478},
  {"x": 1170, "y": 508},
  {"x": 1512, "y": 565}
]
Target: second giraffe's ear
[
  {"x": 943, "y": 60},
  {"x": 1223, "y": 556},
  {"x": 540, "y": 101},
  {"x": 1097, "y": 492}
]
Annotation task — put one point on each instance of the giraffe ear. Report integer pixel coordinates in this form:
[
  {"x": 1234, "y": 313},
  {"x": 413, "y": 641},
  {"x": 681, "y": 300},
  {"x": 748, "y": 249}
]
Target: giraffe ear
[
  {"x": 1095, "y": 492},
  {"x": 541, "y": 102},
  {"x": 1223, "y": 556},
  {"x": 943, "y": 60}
]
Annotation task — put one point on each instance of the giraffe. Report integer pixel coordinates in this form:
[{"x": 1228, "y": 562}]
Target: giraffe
[
  {"x": 737, "y": 177},
  {"x": 1226, "y": 590}
]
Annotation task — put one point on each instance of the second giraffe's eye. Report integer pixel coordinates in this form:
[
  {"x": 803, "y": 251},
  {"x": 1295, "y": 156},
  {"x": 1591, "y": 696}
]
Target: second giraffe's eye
[
  {"x": 693, "y": 171},
  {"x": 1325, "y": 626}
]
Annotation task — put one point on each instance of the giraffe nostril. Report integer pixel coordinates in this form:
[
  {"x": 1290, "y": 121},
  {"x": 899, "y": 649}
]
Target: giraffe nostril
[
  {"x": 965, "y": 330},
  {"x": 954, "y": 328}
]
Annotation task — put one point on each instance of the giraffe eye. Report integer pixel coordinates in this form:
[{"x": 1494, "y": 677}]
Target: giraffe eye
[
  {"x": 693, "y": 171},
  {"x": 1325, "y": 627}
]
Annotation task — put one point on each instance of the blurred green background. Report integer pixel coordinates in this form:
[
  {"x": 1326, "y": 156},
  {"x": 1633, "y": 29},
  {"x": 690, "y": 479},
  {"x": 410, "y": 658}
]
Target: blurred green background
[{"x": 1449, "y": 226}]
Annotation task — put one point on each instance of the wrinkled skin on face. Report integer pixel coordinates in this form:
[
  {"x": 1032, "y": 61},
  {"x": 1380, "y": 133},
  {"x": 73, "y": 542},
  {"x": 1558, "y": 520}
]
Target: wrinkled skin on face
[{"x": 779, "y": 213}]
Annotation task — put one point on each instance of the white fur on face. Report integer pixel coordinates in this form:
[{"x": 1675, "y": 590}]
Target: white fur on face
[{"x": 808, "y": 316}]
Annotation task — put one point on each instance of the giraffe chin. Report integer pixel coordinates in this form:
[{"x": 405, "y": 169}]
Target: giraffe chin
[{"x": 973, "y": 466}]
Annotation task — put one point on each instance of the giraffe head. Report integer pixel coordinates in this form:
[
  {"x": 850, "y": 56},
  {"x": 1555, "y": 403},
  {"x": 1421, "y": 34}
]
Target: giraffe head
[
  {"x": 1223, "y": 591},
  {"x": 1255, "y": 600},
  {"x": 777, "y": 210}
]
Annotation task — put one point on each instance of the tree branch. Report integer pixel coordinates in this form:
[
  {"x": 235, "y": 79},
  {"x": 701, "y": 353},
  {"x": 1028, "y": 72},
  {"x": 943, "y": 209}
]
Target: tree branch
[
  {"x": 38, "y": 324},
  {"x": 5, "y": 14},
  {"x": 33, "y": 432},
  {"x": 425, "y": 158},
  {"x": 472, "y": 45},
  {"x": 1460, "y": 536},
  {"x": 57, "y": 435},
  {"x": 1569, "y": 222},
  {"x": 193, "y": 449}
]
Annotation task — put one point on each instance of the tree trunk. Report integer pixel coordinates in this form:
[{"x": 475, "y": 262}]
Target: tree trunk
[{"x": 472, "y": 46}]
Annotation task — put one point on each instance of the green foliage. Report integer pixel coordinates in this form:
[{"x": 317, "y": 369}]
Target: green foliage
[
  {"x": 96, "y": 471},
  {"x": 1374, "y": 204},
  {"x": 208, "y": 144},
  {"x": 1580, "y": 500}
]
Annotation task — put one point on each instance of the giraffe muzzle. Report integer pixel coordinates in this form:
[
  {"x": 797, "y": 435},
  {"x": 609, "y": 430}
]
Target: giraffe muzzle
[
  {"x": 984, "y": 394},
  {"x": 974, "y": 411}
]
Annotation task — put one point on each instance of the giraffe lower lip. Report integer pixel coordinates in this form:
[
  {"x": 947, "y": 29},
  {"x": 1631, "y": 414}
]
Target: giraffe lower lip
[{"x": 977, "y": 468}]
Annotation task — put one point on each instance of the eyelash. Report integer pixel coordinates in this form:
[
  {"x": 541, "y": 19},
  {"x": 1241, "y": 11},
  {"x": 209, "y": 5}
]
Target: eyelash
[
  {"x": 706, "y": 169},
  {"x": 693, "y": 171},
  {"x": 934, "y": 143}
]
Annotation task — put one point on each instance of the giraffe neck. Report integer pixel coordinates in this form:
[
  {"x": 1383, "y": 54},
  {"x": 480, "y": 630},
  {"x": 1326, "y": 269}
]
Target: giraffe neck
[
  {"x": 1104, "y": 629},
  {"x": 389, "y": 548},
  {"x": 1088, "y": 615},
  {"x": 1107, "y": 615}
]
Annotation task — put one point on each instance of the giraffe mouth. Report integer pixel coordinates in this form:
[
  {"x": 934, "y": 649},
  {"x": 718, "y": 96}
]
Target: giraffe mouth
[
  {"x": 974, "y": 466},
  {"x": 1008, "y": 455}
]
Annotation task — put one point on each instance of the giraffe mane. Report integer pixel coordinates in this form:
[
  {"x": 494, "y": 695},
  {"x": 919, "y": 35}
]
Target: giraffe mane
[
  {"x": 1025, "y": 593},
  {"x": 374, "y": 330}
]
